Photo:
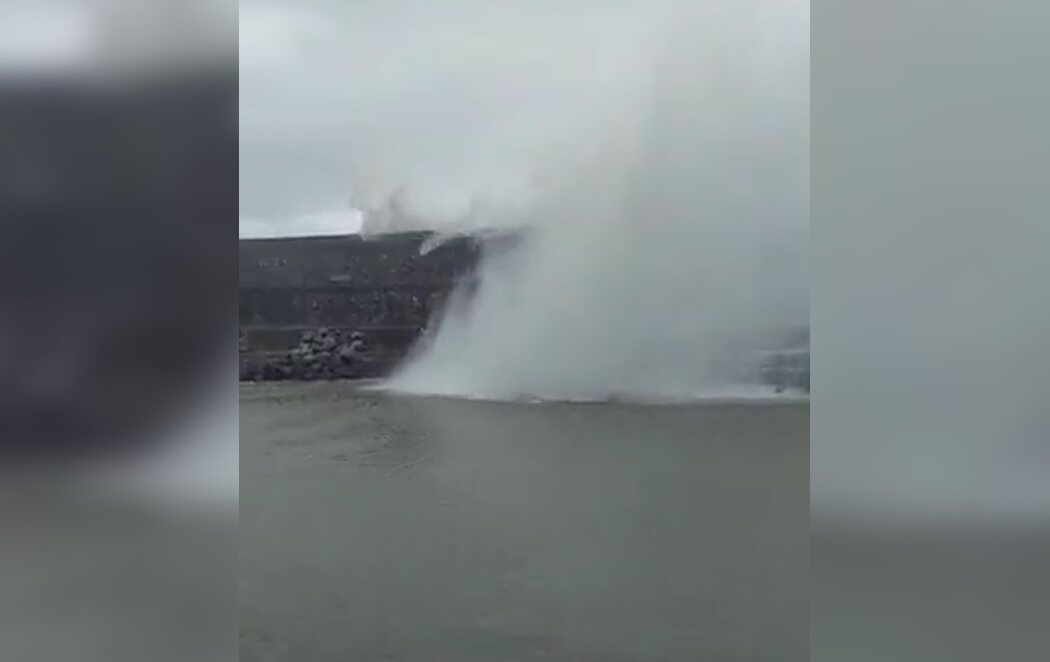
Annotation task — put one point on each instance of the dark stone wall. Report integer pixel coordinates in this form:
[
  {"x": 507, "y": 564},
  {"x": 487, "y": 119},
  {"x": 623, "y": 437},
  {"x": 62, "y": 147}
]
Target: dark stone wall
[
  {"x": 351, "y": 307},
  {"x": 353, "y": 262},
  {"x": 343, "y": 307}
]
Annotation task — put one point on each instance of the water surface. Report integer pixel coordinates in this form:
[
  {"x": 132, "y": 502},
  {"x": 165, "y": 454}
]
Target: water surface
[{"x": 377, "y": 527}]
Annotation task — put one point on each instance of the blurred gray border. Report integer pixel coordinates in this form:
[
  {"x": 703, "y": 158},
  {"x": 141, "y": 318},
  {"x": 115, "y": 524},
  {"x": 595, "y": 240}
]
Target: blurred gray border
[{"x": 930, "y": 432}]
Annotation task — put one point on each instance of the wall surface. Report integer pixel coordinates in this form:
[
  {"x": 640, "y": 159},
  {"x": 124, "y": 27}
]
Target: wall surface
[
  {"x": 349, "y": 307},
  {"x": 342, "y": 307}
]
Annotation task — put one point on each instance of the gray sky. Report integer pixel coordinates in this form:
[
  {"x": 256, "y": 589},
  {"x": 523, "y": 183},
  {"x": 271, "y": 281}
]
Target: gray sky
[{"x": 450, "y": 101}]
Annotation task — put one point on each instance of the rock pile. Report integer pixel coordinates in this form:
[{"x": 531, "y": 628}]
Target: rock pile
[
  {"x": 328, "y": 354},
  {"x": 321, "y": 354}
]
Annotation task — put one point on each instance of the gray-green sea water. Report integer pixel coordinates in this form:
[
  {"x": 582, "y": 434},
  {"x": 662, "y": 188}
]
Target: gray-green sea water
[{"x": 378, "y": 527}]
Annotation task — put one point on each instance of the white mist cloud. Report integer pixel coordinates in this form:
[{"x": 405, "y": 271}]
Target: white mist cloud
[
  {"x": 449, "y": 102},
  {"x": 659, "y": 260},
  {"x": 658, "y": 152}
]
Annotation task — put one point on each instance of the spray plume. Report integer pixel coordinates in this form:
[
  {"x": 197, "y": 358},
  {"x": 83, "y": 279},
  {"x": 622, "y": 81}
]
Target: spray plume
[{"x": 676, "y": 246}]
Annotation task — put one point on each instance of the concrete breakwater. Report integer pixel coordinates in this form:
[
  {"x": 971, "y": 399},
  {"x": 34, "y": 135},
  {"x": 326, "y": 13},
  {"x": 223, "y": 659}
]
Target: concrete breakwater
[
  {"x": 343, "y": 307},
  {"x": 351, "y": 307}
]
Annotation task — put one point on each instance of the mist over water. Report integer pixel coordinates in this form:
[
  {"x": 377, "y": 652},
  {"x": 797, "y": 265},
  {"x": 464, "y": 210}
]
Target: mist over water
[
  {"x": 659, "y": 255},
  {"x": 653, "y": 155}
]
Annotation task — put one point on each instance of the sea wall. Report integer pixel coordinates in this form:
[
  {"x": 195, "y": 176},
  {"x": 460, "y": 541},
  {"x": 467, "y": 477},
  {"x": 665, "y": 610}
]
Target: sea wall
[
  {"x": 351, "y": 307},
  {"x": 344, "y": 306}
]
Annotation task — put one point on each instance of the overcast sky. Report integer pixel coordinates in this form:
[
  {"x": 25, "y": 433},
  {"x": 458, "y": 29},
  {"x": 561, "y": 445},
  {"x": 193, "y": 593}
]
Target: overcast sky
[{"x": 450, "y": 101}]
